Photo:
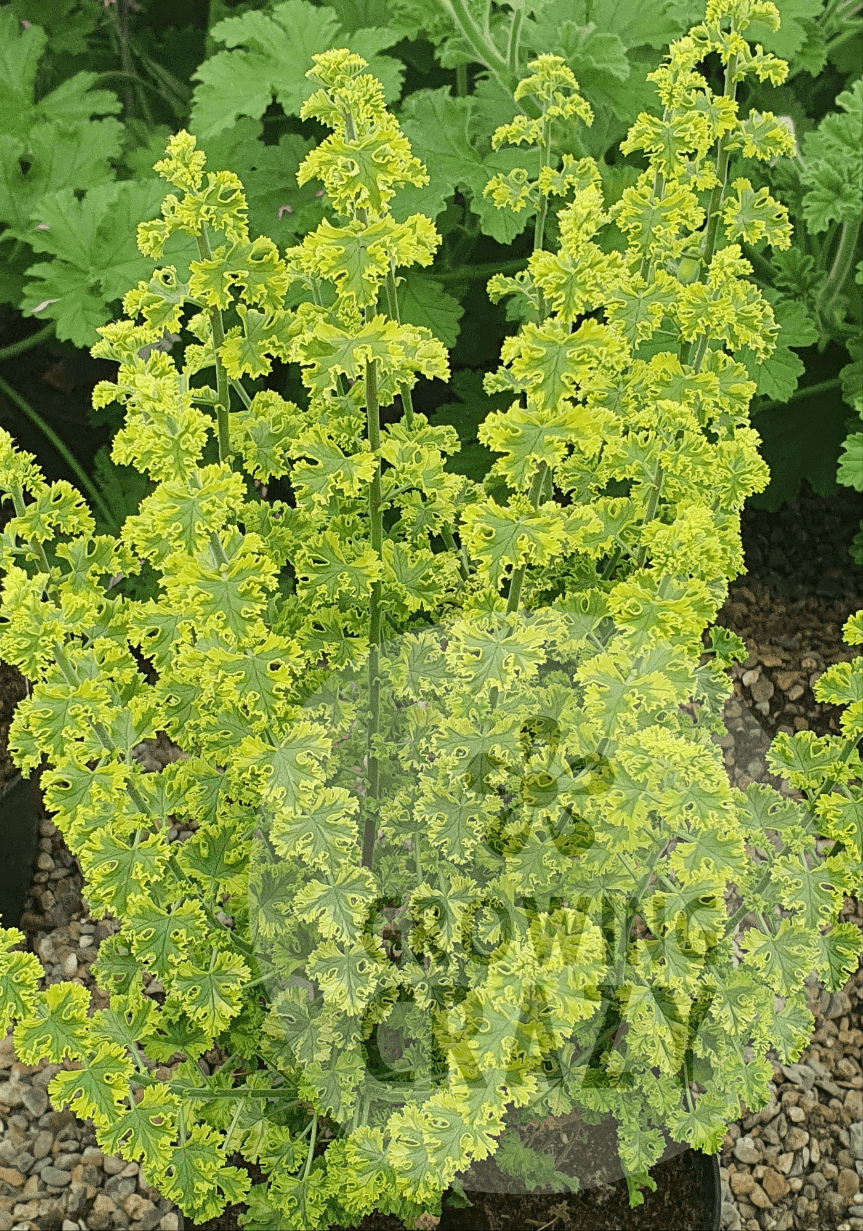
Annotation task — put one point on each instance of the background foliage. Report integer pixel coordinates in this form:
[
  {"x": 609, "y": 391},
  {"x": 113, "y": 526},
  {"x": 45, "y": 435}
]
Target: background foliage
[{"x": 89, "y": 92}]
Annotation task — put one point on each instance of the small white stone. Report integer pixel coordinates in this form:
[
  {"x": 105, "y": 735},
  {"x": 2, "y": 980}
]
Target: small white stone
[{"x": 746, "y": 1151}]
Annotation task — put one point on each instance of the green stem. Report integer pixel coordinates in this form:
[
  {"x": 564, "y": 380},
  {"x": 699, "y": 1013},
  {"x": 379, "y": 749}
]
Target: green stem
[
  {"x": 393, "y": 309},
  {"x": 482, "y": 47},
  {"x": 518, "y": 576},
  {"x": 17, "y": 493},
  {"x": 222, "y": 387},
  {"x": 650, "y": 511},
  {"x": 611, "y": 564},
  {"x": 241, "y": 393},
  {"x": 460, "y": 552},
  {"x": 76, "y": 468},
  {"x": 745, "y": 908},
  {"x": 700, "y": 352},
  {"x": 472, "y": 273},
  {"x": 843, "y": 263},
  {"x": 376, "y": 534},
  {"x": 828, "y": 785},
  {"x": 408, "y": 407},
  {"x": 235, "y": 1092},
  {"x": 18, "y": 348},
  {"x": 460, "y": 80},
  {"x": 308, "y": 1166},
  {"x": 542, "y": 212},
  {"x": 723, "y": 157},
  {"x": 807, "y": 391},
  {"x": 512, "y": 45},
  {"x": 218, "y": 549},
  {"x": 655, "y": 195}
]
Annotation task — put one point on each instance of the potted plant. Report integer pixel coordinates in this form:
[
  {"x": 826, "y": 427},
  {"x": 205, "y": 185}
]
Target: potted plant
[{"x": 459, "y": 856}]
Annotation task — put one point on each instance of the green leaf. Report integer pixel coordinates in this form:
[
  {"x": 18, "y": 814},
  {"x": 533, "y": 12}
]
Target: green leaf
[
  {"x": 436, "y": 124},
  {"x": 135, "y": 1133},
  {"x": 804, "y": 759},
  {"x": 278, "y": 206},
  {"x": 117, "y": 970},
  {"x": 797, "y": 19},
  {"x": 808, "y": 891},
  {"x": 182, "y": 1035},
  {"x": 195, "y": 1172},
  {"x": 217, "y": 854},
  {"x": 423, "y": 301},
  {"x": 96, "y": 258},
  {"x": 56, "y": 1026},
  {"x": 349, "y": 975},
  {"x": 161, "y": 940},
  {"x": 209, "y": 997},
  {"x": 277, "y": 49},
  {"x": 777, "y": 376},
  {"x": 850, "y": 469},
  {"x": 503, "y": 538},
  {"x": 124, "y": 1022},
  {"x": 288, "y": 767},
  {"x": 784, "y": 958},
  {"x": 73, "y": 102},
  {"x": 798, "y": 444},
  {"x": 97, "y": 1090},
  {"x": 339, "y": 907},
  {"x": 791, "y": 1030},
  {"x": 117, "y": 872},
  {"x": 294, "y": 1020},
  {"x": 838, "y": 954},
  {"x": 833, "y": 171}
]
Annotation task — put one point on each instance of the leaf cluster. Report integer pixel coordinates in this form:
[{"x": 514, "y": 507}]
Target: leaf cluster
[{"x": 458, "y": 852}]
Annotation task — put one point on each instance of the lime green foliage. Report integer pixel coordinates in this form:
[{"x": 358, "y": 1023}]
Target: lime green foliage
[{"x": 436, "y": 761}]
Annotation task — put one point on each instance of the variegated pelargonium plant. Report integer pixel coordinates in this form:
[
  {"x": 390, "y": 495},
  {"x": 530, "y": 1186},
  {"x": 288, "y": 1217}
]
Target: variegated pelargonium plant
[{"x": 460, "y": 856}]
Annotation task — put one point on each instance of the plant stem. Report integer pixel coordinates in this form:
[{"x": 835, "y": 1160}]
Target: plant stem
[
  {"x": 38, "y": 550},
  {"x": 222, "y": 387},
  {"x": 517, "y": 581},
  {"x": 512, "y": 45},
  {"x": 484, "y": 50},
  {"x": 77, "y": 469},
  {"x": 393, "y": 309},
  {"x": 234, "y": 1092},
  {"x": 18, "y": 348},
  {"x": 308, "y": 1166},
  {"x": 237, "y": 386},
  {"x": 408, "y": 407},
  {"x": 808, "y": 391},
  {"x": 376, "y": 520},
  {"x": 843, "y": 263},
  {"x": 723, "y": 157},
  {"x": 472, "y": 273},
  {"x": 650, "y": 511}
]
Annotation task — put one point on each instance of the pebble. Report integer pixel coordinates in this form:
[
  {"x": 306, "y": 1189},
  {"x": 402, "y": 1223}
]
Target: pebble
[
  {"x": 56, "y": 1176},
  {"x": 746, "y": 1151},
  {"x": 762, "y": 690}
]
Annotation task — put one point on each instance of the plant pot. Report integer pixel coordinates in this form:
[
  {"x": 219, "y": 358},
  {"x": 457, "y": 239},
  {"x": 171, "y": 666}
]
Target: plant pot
[
  {"x": 688, "y": 1194},
  {"x": 19, "y": 831}
]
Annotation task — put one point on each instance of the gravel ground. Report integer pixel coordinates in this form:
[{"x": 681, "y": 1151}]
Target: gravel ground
[{"x": 798, "y": 1163}]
